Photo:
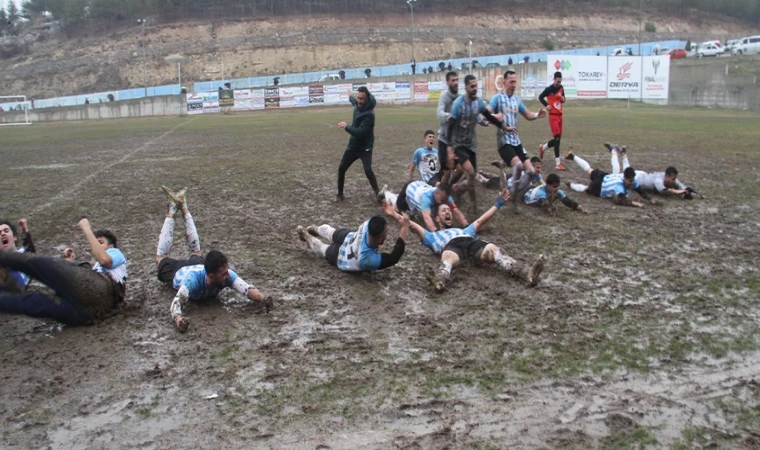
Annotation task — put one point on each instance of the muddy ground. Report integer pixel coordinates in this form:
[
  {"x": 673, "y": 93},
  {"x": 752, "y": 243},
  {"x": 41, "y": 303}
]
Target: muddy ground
[{"x": 643, "y": 333}]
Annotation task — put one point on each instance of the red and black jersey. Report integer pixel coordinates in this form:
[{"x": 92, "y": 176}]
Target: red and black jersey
[{"x": 553, "y": 97}]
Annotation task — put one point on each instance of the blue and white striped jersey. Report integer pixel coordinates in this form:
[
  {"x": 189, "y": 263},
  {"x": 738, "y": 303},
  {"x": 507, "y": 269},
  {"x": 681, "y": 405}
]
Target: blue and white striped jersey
[
  {"x": 194, "y": 279},
  {"x": 355, "y": 253},
  {"x": 437, "y": 240},
  {"x": 613, "y": 185},
  {"x": 465, "y": 114},
  {"x": 539, "y": 193},
  {"x": 419, "y": 197},
  {"x": 510, "y": 107}
]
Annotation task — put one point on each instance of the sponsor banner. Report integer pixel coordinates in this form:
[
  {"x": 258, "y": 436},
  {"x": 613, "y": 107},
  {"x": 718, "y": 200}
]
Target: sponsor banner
[
  {"x": 243, "y": 105},
  {"x": 272, "y": 103},
  {"x": 271, "y": 92},
  {"x": 316, "y": 90},
  {"x": 287, "y": 102},
  {"x": 338, "y": 88},
  {"x": 243, "y": 99},
  {"x": 226, "y": 98},
  {"x": 210, "y": 102},
  {"x": 624, "y": 77},
  {"x": 332, "y": 99},
  {"x": 355, "y": 87},
  {"x": 421, "y": 91},
  {"x": 582, "y": 76},
  {"x": 316, "y": 99},
  {"x": 434, "y": 90},
  {"x": 403, "y": 90},
  {"x": 656, "y": 76},
  {"x": 194, "y": 104},
  {"x": 258, "y": 103},
  {"x": 294, "y": 91},
  {"x": 258, "y": 94},
  {"x": 301, "y": 101},
  {"x": 528, "y": 87}
]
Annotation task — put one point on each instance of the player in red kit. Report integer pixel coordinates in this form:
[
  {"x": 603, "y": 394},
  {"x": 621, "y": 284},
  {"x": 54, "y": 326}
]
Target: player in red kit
[{"x": 552, "y": 98}]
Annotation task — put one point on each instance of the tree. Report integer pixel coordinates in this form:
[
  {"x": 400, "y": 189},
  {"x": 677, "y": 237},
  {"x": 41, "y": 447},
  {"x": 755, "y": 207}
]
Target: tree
[{"x": 12, "y": 18}]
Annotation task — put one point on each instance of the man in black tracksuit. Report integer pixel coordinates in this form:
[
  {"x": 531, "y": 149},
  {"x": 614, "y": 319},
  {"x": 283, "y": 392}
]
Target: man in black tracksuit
[{"x": 362, "y": 131}]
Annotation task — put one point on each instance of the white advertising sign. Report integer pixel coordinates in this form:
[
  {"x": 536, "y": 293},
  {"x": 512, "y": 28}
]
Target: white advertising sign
[
  {"x": 582, "y": 76},
  {"x": 624, "y": 80},
  {"x": 656, "y": 76}
]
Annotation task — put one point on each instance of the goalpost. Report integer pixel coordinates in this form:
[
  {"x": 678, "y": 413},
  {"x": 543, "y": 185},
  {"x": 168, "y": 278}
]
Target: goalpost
[{"x": 17, "y": 107}]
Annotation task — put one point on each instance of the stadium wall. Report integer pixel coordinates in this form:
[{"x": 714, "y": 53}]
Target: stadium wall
[
  {"x": 712, "y": 87},
  {"x": 168, "y": 105}
]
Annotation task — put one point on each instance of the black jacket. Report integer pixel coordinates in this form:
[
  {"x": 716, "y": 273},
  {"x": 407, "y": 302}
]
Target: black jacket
[{"x": 362, "y": 128}]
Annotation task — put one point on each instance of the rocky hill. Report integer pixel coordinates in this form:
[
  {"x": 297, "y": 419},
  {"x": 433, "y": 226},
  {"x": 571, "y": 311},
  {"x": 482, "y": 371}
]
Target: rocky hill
[{"x": 56, "y": 63}]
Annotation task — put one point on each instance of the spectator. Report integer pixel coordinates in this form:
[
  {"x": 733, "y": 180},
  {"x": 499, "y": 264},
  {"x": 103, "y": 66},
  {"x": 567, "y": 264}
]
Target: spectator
[
  {"x": 509, "y": 61},
  {"x": 342, "y": 74},
  {"x": 276, "y": 81},
  {"x": 110, "y": 97},
  {"x": 86, "y": 101},
  {"x": 450, "y": 67},
  {"x": 367, "y": 73},
  {"x": 414, "y": 66},
  {"x": 430, "y": 69},
  {"x": 424, "y": 70}
]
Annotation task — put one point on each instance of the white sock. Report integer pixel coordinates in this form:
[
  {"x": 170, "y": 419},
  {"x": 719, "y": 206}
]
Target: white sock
[
  {"x": 582, "y": 163},
  {"x": 504, "y": 261},
  {"x": 391, "y": 198},
  {"x": 527, "y": 177},
  {"x": 166, "y": 237},
  {"x": 316, "y": 246},
  {"x": 614, "y": 162},
  {"x": 626, "y": 164},
  {"x": 577, "y": 187},
  {"x": 191, "y": 234},
  {"x": 558, "y": 160},
  {"x": 326, "y": 231},
  {"x": 445, "y": 270},
  {"x": 517, "y": 172}
]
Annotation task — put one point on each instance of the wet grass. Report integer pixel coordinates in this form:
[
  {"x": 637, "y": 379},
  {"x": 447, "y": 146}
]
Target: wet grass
[{"x": 623, "y": 289}]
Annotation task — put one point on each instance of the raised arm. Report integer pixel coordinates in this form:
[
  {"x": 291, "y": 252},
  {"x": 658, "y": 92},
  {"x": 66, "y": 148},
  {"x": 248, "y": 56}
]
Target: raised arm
[
  {"x": 26, "y": 239},
  {"x": 500, "y": 201},
  {"x": 98, "y": 252},
  {"x": 392, "y": 258}
]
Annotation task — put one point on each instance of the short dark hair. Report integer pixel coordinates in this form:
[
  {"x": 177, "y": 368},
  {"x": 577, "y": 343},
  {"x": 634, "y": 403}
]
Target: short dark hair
[
  {"x": 508, "y": 73},
  {"x": 10, "y": 225},
  {"x": 553, "y": 179},
  {"x": 428, "y": 132},
  {"x": 557, "y": 74},
  {"x": 214, "y": 261},
  {"x": 535, "y": 159},
  {"x": 376, "y": 226},
  {"x": 451, "y": 74},
  {"x": 363, "y": 89},
  {"x": 110, "y": 237},
  {"x": 629, "y": 173},
  {"x": 445, "y": 187},
  {"x": 671, "y": 171},
  {"x": 469, "y": 78}
]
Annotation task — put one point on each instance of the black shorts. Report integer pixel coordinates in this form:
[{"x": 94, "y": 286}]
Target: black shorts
[
  {"x": 435, "y": 179},
  {"x": 595, "y": 187},
  {"x": 464, "y": 154},
  {"x": 168, "y": 267},
  {"x": 508, "y": 152},
  {"x": 443, "y": 152},
  {"x": 466, "y": 248},
  {"x": 331, "y": 255},
  {"x": 401, "y": 204}
]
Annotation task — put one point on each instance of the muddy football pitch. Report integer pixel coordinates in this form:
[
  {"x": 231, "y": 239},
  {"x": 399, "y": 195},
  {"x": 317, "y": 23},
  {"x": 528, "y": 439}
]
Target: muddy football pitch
[{"x": 643, "y": 332}]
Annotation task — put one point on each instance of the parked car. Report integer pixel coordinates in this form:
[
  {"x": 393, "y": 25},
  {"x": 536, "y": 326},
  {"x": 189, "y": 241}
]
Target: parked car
[
  {"x": 475, "y": 65},
  {"x": 493, "y": 64},
  {"x": 330, "y": 77},
  {"x": 620, "y": 51},
  {"x": 709, "y": 49},
  {"x": 747, "y": 46},
  {"x": 662, "y": 51},
  {"x": 730, "y": 45},
  {"x": 677, "y": 53}
]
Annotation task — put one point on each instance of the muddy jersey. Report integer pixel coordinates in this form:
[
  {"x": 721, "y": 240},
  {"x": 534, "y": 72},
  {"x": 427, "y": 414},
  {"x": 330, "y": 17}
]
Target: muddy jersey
[
  {"x": 510, "y": 107},
  {"x": 437, "y": 240},
  {"x": 652, "y": 181},
  {"x": 118, "y": 270},
  {"x": 553, "y": 97},
  {"x": 539, "y": 193},
  {"x": 426, "y": 160},
  {"x": 613, "y": 185},
  {"x": 420, "y": 197},
  {"x": 355, "y": 254},
  {"x": 465, "y": 114},
  {"x": 194, "y": 279}
]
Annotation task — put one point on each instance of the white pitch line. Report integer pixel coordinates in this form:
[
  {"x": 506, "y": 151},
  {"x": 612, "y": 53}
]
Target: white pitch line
[{"x": 69, "y": 192}]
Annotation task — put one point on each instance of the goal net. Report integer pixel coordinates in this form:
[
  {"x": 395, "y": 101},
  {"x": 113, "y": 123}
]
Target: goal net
[{"x": 15, "y": 110}]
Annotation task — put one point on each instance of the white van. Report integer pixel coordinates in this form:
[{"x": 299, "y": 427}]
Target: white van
[
  {"x": 747, "y": 46},
  {"x": 330, "y": 77}
]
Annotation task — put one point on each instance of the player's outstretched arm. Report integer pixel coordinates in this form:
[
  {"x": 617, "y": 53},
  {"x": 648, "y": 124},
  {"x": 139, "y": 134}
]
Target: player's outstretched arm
[
  {"x": 411, "y": 171},
  {"x": 176, "y": 308},
  {"x": 98, "y": 252},
  {"x": 530, "y": 115},
  {"x": 459, "y": 216},
  {"x": 428, "y": 219},
  {"x": 501, "y": 200}
]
